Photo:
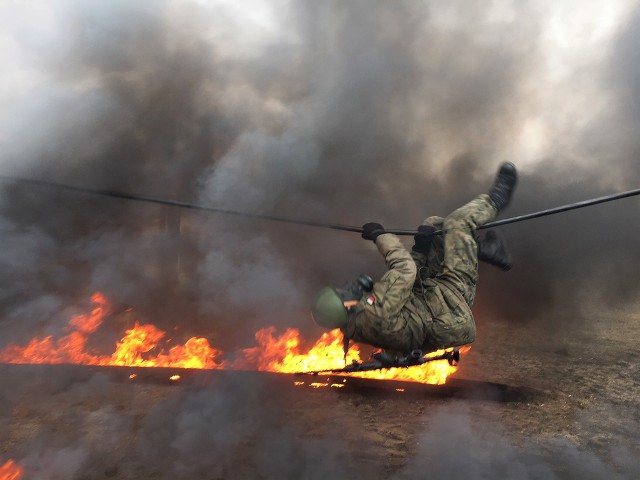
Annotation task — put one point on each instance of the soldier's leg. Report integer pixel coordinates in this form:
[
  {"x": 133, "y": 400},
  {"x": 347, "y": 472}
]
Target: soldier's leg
[
  {"x": 430, "y": 264},
  {"x": 460, "y": 265},
  {"x": 492, "y": 249},
  {"x": 389, "y": 333}
]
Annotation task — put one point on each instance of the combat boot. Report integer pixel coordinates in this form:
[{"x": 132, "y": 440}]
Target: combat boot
[
  {"x": 503, "y": 186},
  {"x": 493, "y": 250}
]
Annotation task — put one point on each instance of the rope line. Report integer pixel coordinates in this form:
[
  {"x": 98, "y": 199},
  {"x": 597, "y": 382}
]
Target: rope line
[{"x": 308, "y": 223}]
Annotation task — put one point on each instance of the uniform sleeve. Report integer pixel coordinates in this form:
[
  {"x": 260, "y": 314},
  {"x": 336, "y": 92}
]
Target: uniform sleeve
[{"x": 393, "y": 290}]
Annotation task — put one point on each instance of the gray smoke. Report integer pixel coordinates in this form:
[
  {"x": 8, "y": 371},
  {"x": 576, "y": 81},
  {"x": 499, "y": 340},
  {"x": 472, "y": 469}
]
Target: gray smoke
[
  {"x": 341, "y": 112},
  {"x": 243, "y": 427},
  {"x": 458, "y": 446},
  {"x": 233, "y": 429},
  {"x": 335, "y": 112},
  {"x": 56, "y": 464}
]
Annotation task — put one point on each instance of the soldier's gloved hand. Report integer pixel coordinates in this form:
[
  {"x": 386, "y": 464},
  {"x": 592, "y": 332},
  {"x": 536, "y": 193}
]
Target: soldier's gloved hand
[
  {"x": 371, "y": 231},
  {"x": 423, "y": 239}
]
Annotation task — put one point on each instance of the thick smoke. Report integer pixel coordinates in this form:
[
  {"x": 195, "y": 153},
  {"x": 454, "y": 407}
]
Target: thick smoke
[
  {"x": 237, "y": 427},
  {"x": 457, "y": 446},
  {"x": 345, "y": 113},
  {"x": 232, "y": 430},
  {"x": 70, "y": 426}
]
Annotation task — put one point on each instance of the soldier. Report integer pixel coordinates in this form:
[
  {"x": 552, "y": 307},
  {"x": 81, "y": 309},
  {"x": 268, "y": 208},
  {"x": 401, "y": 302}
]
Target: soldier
[{"x": 424, "y": 300}]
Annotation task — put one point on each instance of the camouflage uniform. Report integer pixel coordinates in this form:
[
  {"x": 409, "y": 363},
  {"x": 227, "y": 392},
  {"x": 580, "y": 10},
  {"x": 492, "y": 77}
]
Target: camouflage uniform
[{"x": 424, "y": 302}]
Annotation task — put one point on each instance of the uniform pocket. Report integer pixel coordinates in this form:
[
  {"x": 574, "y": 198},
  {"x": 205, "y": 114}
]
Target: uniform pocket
[{"x": 452, "y": 323}]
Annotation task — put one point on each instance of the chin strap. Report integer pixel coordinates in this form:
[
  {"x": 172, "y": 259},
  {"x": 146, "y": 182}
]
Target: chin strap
[
  {"x": 345, "y": 347},
  {"x": 346, "y": 333}
]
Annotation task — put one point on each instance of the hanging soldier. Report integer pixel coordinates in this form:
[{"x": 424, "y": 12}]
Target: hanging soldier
[{"x": 423, "y": 301}]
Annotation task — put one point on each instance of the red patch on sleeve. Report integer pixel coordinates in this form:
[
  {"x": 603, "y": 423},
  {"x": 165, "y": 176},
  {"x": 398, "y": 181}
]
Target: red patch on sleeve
[{"x": 371, "y": 300}]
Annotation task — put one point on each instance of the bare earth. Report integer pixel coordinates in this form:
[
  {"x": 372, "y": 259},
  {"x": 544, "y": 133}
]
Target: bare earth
[{"x": 521, "y": 406}]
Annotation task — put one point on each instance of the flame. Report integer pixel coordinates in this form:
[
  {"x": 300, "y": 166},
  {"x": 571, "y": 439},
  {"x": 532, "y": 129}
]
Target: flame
[
  {"x": 141, "y": 339},
  {"x": 319, "y": 384},
  {"x": 138, "y": 348},
  {"x": 142, "y": 346},
  {"x": 284, "y": 354},
  {"x": 10, "y": 471}
]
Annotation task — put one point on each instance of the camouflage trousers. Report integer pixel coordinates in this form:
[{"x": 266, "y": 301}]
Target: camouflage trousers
[{"x": 447, "y": 277}]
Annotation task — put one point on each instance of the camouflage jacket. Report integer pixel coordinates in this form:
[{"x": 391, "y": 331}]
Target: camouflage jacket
[{"x": 405, "y": 312}]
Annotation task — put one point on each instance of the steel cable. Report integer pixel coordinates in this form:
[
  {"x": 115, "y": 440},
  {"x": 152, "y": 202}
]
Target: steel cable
[{"x": 332, "y": 226}]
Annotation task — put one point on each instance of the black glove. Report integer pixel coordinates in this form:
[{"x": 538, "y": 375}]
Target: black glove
[
  {"x": 371, "y": 231},
  {"x": 423, "y": 239}
]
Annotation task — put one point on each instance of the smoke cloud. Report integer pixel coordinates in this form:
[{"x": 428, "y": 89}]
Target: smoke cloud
[
  {"x": 458, "y": 446},
  {"x": 240, "y": 427},
  {"x": 340, "y": 112},
  {"x": 232, "y": 430},
  {"x": 344, "y": 113}
]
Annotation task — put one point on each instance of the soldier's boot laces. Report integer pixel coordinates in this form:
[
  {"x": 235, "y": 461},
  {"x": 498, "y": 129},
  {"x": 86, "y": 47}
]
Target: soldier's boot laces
[
  {"x": 492, "y": 249},
  {"x": 503, "y": 186}
]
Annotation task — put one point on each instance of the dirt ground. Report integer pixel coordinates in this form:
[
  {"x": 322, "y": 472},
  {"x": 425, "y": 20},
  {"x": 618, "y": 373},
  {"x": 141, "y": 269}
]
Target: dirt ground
[{"x": 519, "y": 407}]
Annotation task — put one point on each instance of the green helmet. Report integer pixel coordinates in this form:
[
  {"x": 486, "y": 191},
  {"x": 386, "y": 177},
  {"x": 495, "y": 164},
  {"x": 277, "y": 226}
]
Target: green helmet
[{"x": 328, "y": 310}]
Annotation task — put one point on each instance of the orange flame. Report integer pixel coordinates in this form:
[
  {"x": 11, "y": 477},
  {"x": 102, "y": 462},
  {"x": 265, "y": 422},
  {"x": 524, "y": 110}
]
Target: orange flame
[
  {"x": 283, "y": 354},
  {"x": 10, "y": 471},
  {"x": 140, "y": 347}
]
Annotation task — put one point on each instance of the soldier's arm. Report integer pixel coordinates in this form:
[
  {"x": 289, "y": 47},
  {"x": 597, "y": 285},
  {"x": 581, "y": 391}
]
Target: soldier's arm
[
  {"x": 392, "y": 291},
  {"x": 396, "y": 256}
]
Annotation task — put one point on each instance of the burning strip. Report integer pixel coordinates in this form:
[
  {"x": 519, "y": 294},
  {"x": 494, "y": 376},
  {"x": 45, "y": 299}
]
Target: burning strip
[
  {"x": 133, "y": 350},
  {"x": 142, "y": 346},
  {"x": 283, "y": 354}
]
